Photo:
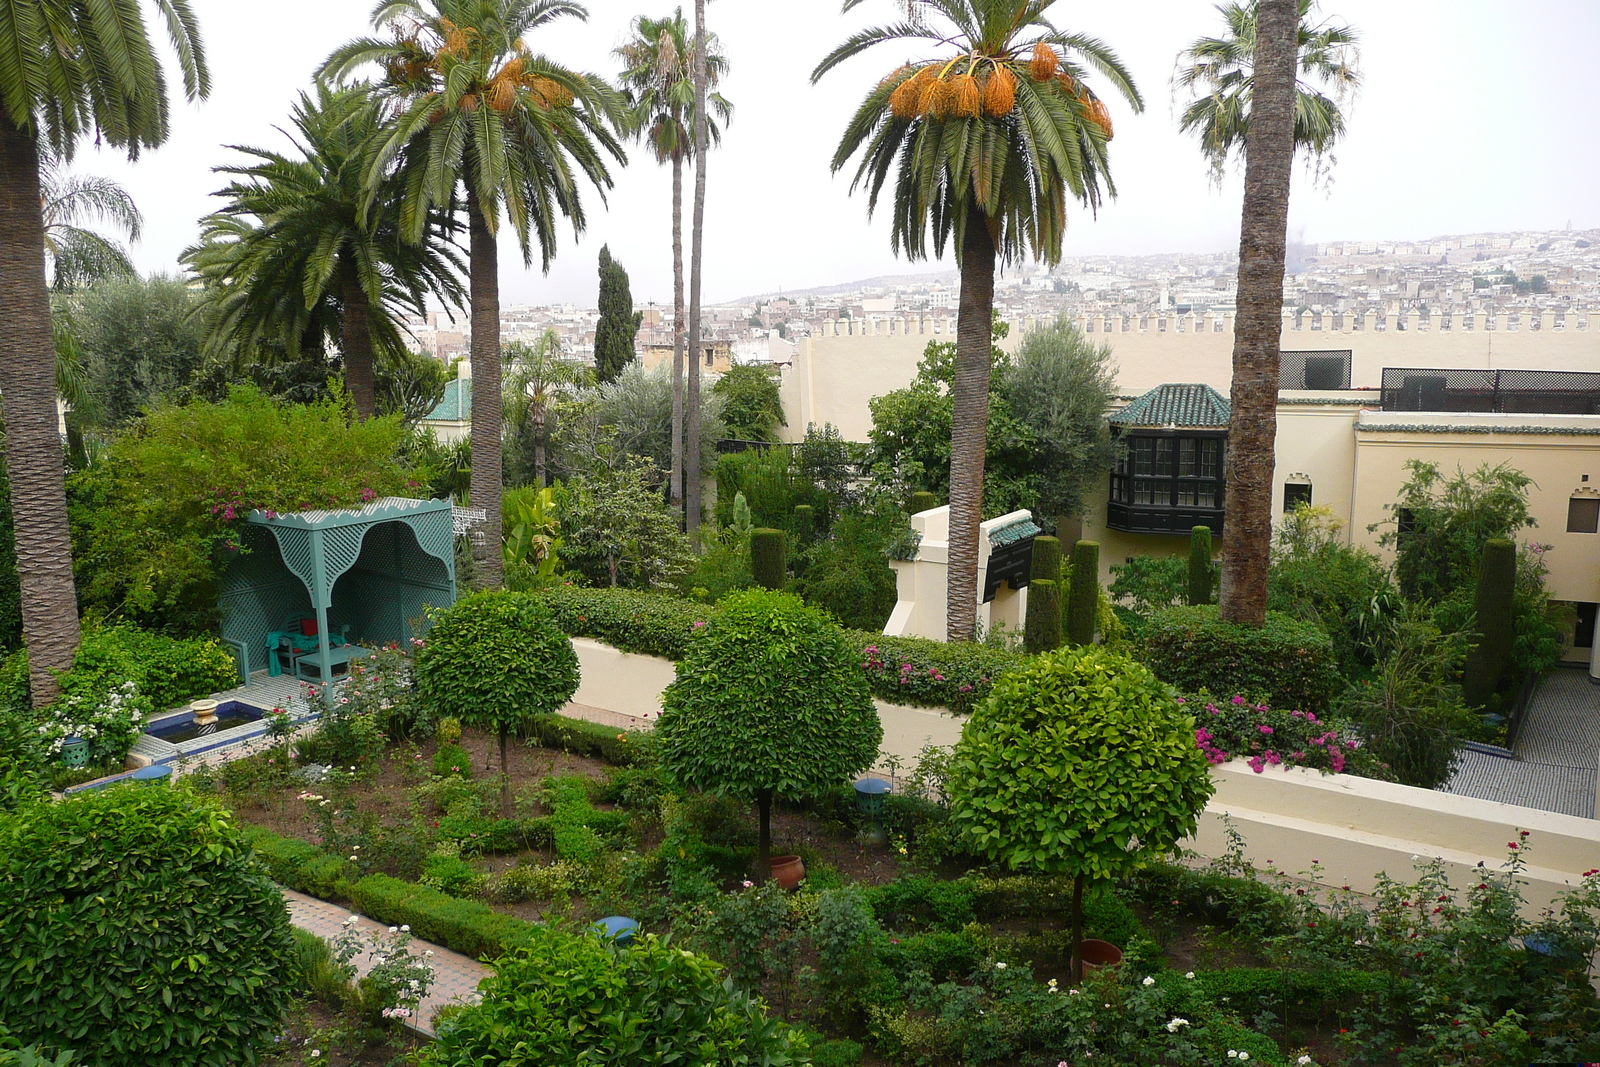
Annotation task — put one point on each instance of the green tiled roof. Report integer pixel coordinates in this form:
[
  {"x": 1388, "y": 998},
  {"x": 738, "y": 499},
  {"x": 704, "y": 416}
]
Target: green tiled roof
[
  {"x": 457, "y": 403},
  {"x": 1187, "y": 405},
  {"x": 1013, "y": 532}
]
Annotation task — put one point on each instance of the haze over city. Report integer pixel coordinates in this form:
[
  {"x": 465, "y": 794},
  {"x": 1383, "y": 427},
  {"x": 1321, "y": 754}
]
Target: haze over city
[{"x": 1470, "y": 120}]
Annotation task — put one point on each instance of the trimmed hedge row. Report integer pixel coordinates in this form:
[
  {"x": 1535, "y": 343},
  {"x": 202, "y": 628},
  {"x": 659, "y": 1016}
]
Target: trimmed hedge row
[
  {"x": 583, "y": 738},
  {"x": 901, "y": 670},
  {"x": 1284, "y": 664},
  {"x": 464, "y": 926}
]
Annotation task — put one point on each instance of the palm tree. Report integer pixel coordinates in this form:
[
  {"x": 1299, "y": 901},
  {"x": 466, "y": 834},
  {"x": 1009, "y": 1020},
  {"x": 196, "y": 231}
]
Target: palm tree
[
  {"x": 66, "y": 69},
  {"x": 1226, "y": 68},
  {"x": 1222, "y": 70},
  {"x": 299, "y": 258},
  {"x": 1263, "y": 233},
  {"x": 699, "y": 74},
  {"x": 79, "y": 256},
  {"x": 534, "y": 376},
  {"x": 659, "y": 86},
  {"x": 471, "y": 108},
  {"x": 986, "y": 136}
]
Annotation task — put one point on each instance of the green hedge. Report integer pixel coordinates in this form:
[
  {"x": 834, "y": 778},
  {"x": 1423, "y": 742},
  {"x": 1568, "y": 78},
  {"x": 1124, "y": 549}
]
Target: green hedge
[
  {"x": 583, "y": 738},
  {"x": 300, "y": 865},
  {"x": 464, "y": 926},
  {"x": 1285, "y": 663},
  {"x": 902, "y": 670}
]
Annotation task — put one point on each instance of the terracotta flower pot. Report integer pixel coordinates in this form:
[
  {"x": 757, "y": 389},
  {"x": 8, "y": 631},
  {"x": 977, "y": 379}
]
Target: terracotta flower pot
[
  {"x": 787, "y": 871},
  {"x": 1097, "y": 954}
]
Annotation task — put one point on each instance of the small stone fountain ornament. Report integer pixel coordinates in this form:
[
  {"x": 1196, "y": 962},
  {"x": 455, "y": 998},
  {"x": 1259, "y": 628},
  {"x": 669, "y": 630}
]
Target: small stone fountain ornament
[{"x": 205, "y": 716}]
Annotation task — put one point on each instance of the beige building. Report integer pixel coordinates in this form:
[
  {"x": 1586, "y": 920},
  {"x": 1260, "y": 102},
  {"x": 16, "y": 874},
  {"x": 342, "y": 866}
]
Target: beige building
[
  {"x": 836, "y": 373},
  {"x": 717, "y": 356}
]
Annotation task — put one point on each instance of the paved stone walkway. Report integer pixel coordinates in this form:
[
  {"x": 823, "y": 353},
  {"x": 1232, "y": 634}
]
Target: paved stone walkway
[
  {"x": 1557, "y": 755},
  {"x": 605, "y": 718},
  {"x": 455, "y": 977}
]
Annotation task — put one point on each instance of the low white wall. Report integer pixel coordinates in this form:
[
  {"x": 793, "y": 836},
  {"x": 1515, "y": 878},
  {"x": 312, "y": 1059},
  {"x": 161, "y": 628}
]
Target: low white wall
[
  {"x": 631, "y": 684},
  {"x": 1358, "y": 827},
  {"x": 1353, "y": 827}
]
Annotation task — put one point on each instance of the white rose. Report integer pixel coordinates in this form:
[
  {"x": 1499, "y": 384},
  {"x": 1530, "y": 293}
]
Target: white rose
[{"x": 1148, "y": 981}]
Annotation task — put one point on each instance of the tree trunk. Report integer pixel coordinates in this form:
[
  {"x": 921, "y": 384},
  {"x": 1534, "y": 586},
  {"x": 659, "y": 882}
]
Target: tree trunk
[
  {"x": 1077, "y": 929},
  {"x": 484, "y": 258},
  {"x": 691, "y": 429},
  {"x": 969, "y": 425},
  {"x": 355, "y": 342},
  {"x": 538, "y": 443},
  {"x": 677, "y": 332},
  {"x": 505, "y": 772},
  {"x": 32, "y": 428},
  {"x": 1263, "y": 230},
  {"x": 764, "y": 840}
]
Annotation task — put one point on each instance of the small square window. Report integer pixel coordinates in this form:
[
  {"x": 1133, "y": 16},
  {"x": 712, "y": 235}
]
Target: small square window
[
  {"x": 1583, "y": 514},
  {"x": 1295, "y": 494}
]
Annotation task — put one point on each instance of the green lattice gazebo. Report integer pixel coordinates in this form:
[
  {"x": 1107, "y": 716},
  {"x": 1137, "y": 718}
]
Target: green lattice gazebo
[{"x": 366, "y": 572}]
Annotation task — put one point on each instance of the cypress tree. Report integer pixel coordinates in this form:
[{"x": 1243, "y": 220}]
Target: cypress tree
[
  {"x": 1041, "y": 631},
  {"x": 1084, "y": 599},
  {"x": 1046, "y": 561},
  {"x": 805, "y": 524},
  {"x": 1200, "y": 565},
  {"x": 923, "y": 501},
  {"x": 619, "y": 323},
  {"x": 766, "y": 557},
  {"x": 1497, "y": 584}
]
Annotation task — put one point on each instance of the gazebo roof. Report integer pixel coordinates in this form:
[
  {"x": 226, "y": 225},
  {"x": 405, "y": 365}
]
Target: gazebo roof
[
  {"x": 1183, "y": 404},
  {"x": 384, "y": 509}
]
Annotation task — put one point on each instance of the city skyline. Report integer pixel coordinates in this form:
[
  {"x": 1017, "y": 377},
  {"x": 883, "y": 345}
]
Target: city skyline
[{"x": 1436, "y": 145}]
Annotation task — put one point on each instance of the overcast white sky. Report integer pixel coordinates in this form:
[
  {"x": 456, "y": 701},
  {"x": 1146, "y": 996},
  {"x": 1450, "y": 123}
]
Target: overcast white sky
[{"x": 1475, "y": 116}]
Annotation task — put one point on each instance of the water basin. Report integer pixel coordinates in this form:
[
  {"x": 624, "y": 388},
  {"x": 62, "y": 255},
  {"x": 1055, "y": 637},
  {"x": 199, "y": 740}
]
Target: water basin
[{"x": 177, "y": 729}]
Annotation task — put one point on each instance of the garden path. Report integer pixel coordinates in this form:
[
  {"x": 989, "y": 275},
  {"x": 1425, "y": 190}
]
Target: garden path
[
  {"x": 455, "y": 977},
  {"x": 1557, "y": 759}
]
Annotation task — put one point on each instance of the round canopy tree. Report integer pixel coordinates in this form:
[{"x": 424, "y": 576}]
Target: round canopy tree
[
  {"x": 497, "y": 661},
  {"x": 1080, "y": 762},
  {"x": 138, "y": 929},
  {"x": 770, "y": 701}
]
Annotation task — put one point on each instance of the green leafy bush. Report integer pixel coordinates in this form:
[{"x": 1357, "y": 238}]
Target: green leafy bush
[
  {"x": 1080, "y": 763},
  {"x": 1320, "y": 578},
  {"x": 452, "y": 760},
  {"x": 158, "y": 519},
  {"x": 137, "y": 930},
  {"x": 1285, "y": 663},
  {"x": 451, "y": 875},
  {"x": 769, "y": 702},
  {"x": 583, "y": 738},
  {"x": 576, "y": 998}
]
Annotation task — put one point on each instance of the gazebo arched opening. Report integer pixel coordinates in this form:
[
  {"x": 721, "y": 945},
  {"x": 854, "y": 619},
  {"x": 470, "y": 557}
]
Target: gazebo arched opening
[{"x": 315, "y": 586}]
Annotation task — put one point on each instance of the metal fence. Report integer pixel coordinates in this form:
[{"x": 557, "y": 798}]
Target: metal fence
[
  {"x": 1314, "y": 369},
  {"x": 1544, "y": 392}
]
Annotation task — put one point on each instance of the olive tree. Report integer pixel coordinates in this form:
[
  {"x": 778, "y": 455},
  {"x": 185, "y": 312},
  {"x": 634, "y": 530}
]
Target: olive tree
[
  {"x": 497, "y": 661},
  {"x": 770, "y": 701},
  {"x": 1080, "y": 762}
]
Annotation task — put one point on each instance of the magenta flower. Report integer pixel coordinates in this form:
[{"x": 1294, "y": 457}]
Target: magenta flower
[{"x": 1237, "y": 700}]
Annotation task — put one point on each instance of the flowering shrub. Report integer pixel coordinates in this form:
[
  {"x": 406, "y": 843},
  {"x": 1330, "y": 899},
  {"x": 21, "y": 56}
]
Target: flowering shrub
[
  {"x": 110, "y": 721},
  {"x": 1267, "y": 737},
  {"x": 1284, "y": 662},
  {"x": 397, "y": 979}
]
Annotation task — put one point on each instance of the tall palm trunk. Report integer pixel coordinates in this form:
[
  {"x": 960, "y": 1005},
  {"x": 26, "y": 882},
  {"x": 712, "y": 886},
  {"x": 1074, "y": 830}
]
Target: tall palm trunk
[
  {"x": 32, "y": 433},
  {"x": 969, "y": 425},
  {"x": 355, "y": 341},
  {"x": 677, "y": 331},
  {"x": 1263, "y": 231},
  {"x": 691, "y": 430},
  {"x": 538, "y": 443},
  {"x": 484, "y": 278}
]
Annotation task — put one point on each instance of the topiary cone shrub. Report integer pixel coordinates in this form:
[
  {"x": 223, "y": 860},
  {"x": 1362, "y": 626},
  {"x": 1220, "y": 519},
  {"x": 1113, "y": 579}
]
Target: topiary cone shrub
[
  {"x": 922, "y": 501},
  {"x": 1083, "y": 601},
  {"x": 1076, "y": 756},
  {"x": 1285, "y": 663},
  {"x": 1046, "y": 559},
  {"x": 767, "y": 557},
  {"x": 1041, "y": 629},
  {"x": 805, "y": 525},
  {"x": 138, "y": 929},
  {"x": 770, "y": 701},
  {"x": 1200, "y": 565},
  {"x": 1495, "y": 630},
  {"x": 498, "y": 661}
]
